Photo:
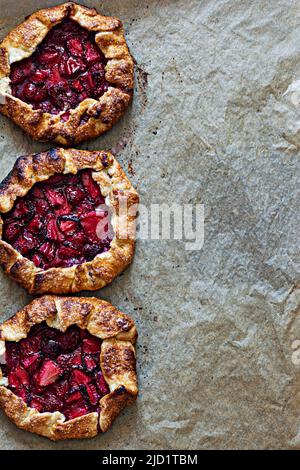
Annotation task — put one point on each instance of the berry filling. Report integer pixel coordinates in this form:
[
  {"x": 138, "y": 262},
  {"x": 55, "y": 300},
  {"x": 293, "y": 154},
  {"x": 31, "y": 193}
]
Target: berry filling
[
  {"x": 55, "y": 371},
  {"x": 60, "y": 222},
  {"x": 66, "y": 68}
]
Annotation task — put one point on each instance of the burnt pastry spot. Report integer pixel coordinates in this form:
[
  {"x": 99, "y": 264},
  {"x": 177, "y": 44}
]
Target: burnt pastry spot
[
  {"x": 66, "y": 68},
  {"x": 61, "y": 222},
  {"x": 54, "y": 371}
]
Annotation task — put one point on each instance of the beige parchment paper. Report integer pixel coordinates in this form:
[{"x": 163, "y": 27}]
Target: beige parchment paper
[{"x": 215, "y": 120}]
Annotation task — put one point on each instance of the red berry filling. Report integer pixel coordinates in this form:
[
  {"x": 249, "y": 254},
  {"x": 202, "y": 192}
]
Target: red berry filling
[
  {"x": 55, "y": 371},
  {"x": 60, "y": 222},
  {"x": 66, "y": 68}
]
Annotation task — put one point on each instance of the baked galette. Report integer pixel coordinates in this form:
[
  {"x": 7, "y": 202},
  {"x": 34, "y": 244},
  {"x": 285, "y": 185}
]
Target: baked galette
[
  {"x": 67, "y": 221},
  {"x": 66, "y": 74},
  {"x": 67, "y": 366}
]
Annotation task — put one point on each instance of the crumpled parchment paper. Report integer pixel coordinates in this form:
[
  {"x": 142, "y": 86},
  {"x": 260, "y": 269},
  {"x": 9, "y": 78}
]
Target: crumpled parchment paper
[{"x": 215, "y": 120}]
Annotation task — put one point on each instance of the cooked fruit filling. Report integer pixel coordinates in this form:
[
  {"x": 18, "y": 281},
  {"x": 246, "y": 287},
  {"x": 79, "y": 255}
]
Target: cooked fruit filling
[
  {"x": 66, "y": 68},
  {"x": 55, "y": 371},
  {"x": 60, "y": 222}
]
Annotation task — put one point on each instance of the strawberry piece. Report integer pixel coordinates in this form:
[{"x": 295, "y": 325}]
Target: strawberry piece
[
  {"x": 18, "y": 378},
  {"x": 76, "y": 359},
  {"x": 40, "y": 76},
  {"x": 80, "y": 378},
  {"x": 91, "y": 345},
  {"x": 34, "y": 93},
  {"x": 56, "y": 85},
  {"x": 85, "y": 207},
  {"x": 35, "y": 224},
  {"x": 48, "y": 250},
  {"x": 92, "y": 394},
  {"x": 30, "y": 360},
  {"x": 55, "y": 197},
  {"x": 77, "y": 85},
  {"x": 92, "y": 53},
  {"x": 52, "y": 230},
  {"x": 29, "y": 239},
  {"x": 22, "y": 393},
  {"x": 90, "y": 362},
  {"x": 48, "y": 373},
  {"x": 65, "y": 209},
  {"x": 72, "y": 66},
  {"x": 102, "y": 385},
  {"x": 41, "y": 206},
  {"x": 74, "y": 396},
  {"x": 91, "y": 224},
  {"x": 25, "y": 242},
  {"x": 49, "y": 57},
  {"x": 21, "y": 209},
  {"x": 65, "y": 252},
  {"x": 75, "y": 47},
  {"x": 91, "y": 187},
  {"x": 37, "y": 403},
  {"x": 75, "y": 194},
  {"x": 87, "y": 82},
  {"x": 37, "y": 260},
  {"x": 76, "y": 411},
  {"x": 56, "y": 81},
  {"x": 77, "y": 240},
  {"x": 65, "y": 116},
  {"x": 52, "y": 402},
  {"x": 68, "y": 227},
  {"x": 60, "y": 389}
]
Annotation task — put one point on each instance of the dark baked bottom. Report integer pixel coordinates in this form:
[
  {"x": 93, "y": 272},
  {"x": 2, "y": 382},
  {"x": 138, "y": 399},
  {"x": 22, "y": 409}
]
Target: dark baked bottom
[
  {"x": 55, "y": 371},
  {"x": 60, "y": 222},
  {"x": 66, "y": 68}
]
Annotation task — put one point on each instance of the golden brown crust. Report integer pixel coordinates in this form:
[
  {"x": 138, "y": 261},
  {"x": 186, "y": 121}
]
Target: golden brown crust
[
  {"x": 115, "y": 187},
  {"x": 22, "y": 41},
  {"x": 117, "y": 360}
]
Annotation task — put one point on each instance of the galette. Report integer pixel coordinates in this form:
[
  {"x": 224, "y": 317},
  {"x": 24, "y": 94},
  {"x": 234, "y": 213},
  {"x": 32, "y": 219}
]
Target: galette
[
  {"x": 67, "y": 366},
  {"x": 67, "y": 221},
  {"x": 66, "y": 74}
]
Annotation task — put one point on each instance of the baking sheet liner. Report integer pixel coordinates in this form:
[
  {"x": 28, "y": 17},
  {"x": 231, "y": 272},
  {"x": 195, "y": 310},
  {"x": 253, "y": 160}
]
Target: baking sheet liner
[{"x": 215, "y": 120}]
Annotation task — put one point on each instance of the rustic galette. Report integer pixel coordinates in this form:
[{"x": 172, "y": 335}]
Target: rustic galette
[
  {"x": 67, "y": 221},
  {"x": 66, "y": 74},
  {"x": 67, "y": 366}
]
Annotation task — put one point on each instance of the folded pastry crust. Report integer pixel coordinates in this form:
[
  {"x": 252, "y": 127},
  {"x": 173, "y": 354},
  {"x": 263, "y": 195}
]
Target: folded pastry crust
[
  {"x": 117, "y": 359},
  {"x": 119, "y": 195},
  {"x": 21, "y": 43}
]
